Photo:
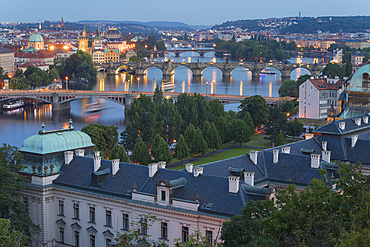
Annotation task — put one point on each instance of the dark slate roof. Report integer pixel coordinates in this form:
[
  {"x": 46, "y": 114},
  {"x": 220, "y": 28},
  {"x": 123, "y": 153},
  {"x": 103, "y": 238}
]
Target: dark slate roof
[
  {"x": 212, "y": 190},
  {"x": 3, "y": 50},
  {"x": 350, "y": 127}
]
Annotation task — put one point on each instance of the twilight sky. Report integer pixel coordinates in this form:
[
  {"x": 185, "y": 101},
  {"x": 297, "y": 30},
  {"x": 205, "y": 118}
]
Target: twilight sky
[{"x": 194, "y": 12}]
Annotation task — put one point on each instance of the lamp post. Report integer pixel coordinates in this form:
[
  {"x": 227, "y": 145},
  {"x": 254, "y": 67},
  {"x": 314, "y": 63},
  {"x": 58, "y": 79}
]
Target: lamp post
[
  {"x": 138, "y": 84},
  {"x": 207, "y": 90},
  {"x": 66, "y": 82}
]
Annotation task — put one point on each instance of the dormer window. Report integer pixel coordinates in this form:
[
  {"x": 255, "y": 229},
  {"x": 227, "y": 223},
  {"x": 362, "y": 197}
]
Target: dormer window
[{"x": 163, "y": 195}]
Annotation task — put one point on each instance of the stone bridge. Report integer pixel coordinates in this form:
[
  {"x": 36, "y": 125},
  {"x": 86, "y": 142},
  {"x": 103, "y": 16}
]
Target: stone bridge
[
  {"x": 197, "y": 69},
  {"x": 61, "y": 99}
]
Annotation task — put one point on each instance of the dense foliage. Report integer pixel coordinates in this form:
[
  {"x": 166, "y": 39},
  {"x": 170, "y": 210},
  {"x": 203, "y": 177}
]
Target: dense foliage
[
  {"x": 253, "y": 50},
  {"x": 77, "y": 65},
  {"x": 291, "y": 88},
  {"x": 32, "y": 78},
  {"x": 315, "y": 216}
]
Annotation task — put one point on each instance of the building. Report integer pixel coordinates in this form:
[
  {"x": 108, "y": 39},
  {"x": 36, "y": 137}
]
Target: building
[
  {"x": 7, "y": 60},
  {"x": 112, "y": 34},
  {"x": 98, "y": 56},
  {"x": 111, "y": 55},
  {"x": 130, "y": 53},
  {"x": 85, "y": 43},
  {"x": 78, "y": 199},
  {"x": 98, "y": 40},
  {"x": 357, "y": 58},
  {"x": 120, "y": 45},
  {"x": 318, "y": 97},
  {"x": 40, "y": 65},
  {"x": 36, "y": 41},
  {"x": 45, "y": 56}
]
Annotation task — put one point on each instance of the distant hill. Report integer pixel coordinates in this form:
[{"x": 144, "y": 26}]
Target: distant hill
[
  {"x": 153, "y": 24},
  {"x": 331, "y": 24}
]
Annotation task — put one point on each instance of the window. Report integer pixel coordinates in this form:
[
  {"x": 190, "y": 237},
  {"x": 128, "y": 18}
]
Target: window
[
  {"x": 209, "y": 237},
  {"x": 25, "y": 200},
  {"x": 163, "y": 195},
  {"x": 76, "y": 211},
  {"x": 108, "y": 218},
  {"x": 61, "y": 207},
  {"x": 125, "y": 222},
  {"x": 144, "y": 230},
  {"x": 164, "y": 231},
  {"x": 61, "y": 234},
  {"x": 108, "y": 242},
  {"x": 92, "y": 240},
  {"x": 92, "y": 214},
  {"x": 77, "y": 238},
  {"x": 185, "y": 234}
]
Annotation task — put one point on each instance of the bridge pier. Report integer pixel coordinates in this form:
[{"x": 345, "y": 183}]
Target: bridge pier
[
  {"x": 255, "y": 75},
  {"x": 197, "y": 72},
  {"x": 285, "y": 75},
  {"x": 57, "y": 106}
]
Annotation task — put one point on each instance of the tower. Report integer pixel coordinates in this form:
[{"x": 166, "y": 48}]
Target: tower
[
  {"x": 83, "y": 42},
  {"x": 98, "y": 41}
]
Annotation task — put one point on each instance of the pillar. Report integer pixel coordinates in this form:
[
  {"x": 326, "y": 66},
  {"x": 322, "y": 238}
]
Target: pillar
[
  {"x": 285, "y": 75},
  {"x": 57, "y": 106}
]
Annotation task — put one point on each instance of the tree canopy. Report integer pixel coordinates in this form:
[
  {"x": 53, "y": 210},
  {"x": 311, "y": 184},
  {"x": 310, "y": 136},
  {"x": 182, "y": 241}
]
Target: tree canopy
[{"x": 257, "y": 108}]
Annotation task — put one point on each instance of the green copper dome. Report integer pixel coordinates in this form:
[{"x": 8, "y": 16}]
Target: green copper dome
[
  {"x": 35, "y": 37},
  {"x": 46, "y": 142},
  {"x": 360, "y": 80}
]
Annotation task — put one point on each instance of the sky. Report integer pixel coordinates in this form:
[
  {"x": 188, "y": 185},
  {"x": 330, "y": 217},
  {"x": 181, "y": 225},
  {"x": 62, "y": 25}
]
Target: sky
[{"x": 192, "y": 12}]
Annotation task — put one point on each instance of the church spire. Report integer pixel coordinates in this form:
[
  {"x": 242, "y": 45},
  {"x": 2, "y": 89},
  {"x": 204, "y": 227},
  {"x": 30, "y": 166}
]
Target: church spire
[
  {"x": 84, "y": 33},
  {"x": 98, "y": 33}
]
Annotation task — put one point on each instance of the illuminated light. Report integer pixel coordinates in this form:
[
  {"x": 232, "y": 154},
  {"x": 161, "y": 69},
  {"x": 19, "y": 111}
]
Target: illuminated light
[
  {"x": 66, "y": 47},
  {"x": 52, "y": 48}
]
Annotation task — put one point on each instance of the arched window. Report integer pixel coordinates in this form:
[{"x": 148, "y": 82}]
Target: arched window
[{"x": 365, "y": 78}]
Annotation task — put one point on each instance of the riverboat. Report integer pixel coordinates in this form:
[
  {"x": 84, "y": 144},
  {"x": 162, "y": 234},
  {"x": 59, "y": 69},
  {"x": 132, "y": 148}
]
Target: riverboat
[
  {"x": 167, "y": 86},
  {"x": 13, "y": 105},
  {"x": 268, "y": 72},
  {"x": 94, "y": 107}
]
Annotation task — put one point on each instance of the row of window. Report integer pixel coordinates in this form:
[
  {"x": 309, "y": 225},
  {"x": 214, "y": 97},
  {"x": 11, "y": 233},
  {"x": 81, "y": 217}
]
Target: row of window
[{"x": 76, "y": 241}]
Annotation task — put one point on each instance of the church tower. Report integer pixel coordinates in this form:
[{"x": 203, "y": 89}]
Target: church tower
[
  {"x": 98, "y": 41},
  {"x": 83, "y": 42}
]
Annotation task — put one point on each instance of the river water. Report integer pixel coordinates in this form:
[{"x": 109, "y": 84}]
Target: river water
[{"x": 17, "y": 125}]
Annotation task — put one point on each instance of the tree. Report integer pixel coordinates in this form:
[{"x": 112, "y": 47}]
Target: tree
[
  {"x": 249, "y": 122},
  {"x": 85, "y": 70},
  {"x": 223, "y": 128},
  {"x": 104, "y": 137},
  {"x": 333, "y": 69},
  {"x": 12, "y": 206},
  {"x": 118, "y": 152},
  {"x": 257, "y": 108},
  {"x": 214, "y": 138},
  {"x": 199, "y": 144},
  {"x": 206, "y": 132},
  {"x": 10, "y": 238},
  {"x": 289, "y": 88},
  {"x": 77, "y": 59},
  {"x": 181, "y": 149},
  {"x": 240, "y": 132},
  {"x": 294, "y": 128},
  {"x": 280, "y": 139},
  {"x": 129, "y": 137},
  {"x": 188, "y": 109},
  {"x": 217, "y": 110},
  {"x": 276, "y": 124},
  {"x": 190, "y": 136},
  {"x": 171, "y": 121},
  {"x": 203, "y": 109},
  {"x": 348, "y": 70},
  {"x": 160, "y": 150},
  {"x": 53, "y": 74},
  {"x": 141, "y": 154}
]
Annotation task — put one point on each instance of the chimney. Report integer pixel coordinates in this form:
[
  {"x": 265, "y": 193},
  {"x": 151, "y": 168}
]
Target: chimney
[
  {"x": 153, "y": 167},
  {"x": 162, "y": 164},
  {"x": 253, "y": 156},
  {"x": 197, "y": 171},
  {"x": 342, "y": 125},
  {"x": 285, "y": 150},
  {"x": 115, "y": 166},
  {"x": 315, "y": 160},
  {"x": 68, "y": 157},
  {"x": 249, "y": 178},
  {"x": 275, "y": 157},
  {"x": 189, "y": 167},
  {"x": 358, "y": 121},
  {"x": 324, "y": 145},
  {"x": 365, "y": 119},
  {"x": 308, "y": 136},
  {"x": 80, "y": 152},
  {"x": 353, "y": 140},
  {"x": 326, "y": 156},
  {"x": 97, "y": 153},
  {"x": 233, "y": 184},
  {"x": 97, "y": 161}
]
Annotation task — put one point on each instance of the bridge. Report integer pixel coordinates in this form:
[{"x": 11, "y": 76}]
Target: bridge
[
  {"x": 61, "y": 99},
  {"x": 168, "y": 68},
  {"x": 177, "y": 52}
]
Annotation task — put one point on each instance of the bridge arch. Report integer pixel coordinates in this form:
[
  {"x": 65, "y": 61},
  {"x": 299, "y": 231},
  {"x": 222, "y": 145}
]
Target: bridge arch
[
  {"x": 46, "y": 99},
  {"x": 100, "y": 68},
  {"x": 125, "y": 68},
  {"x": 153, "y": 65},
  {"x": 118, "y": 100},
  {"x": 181, "y": 66},
  {"x": 303, "y": 69}
]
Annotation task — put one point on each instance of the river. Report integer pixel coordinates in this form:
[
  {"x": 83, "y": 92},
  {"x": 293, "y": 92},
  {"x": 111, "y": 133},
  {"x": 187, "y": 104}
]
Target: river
[{"x": 19, "y": 124}]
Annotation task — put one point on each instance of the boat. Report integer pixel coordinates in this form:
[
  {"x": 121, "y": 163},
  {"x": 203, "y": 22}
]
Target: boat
[
  {"x": 268, "y": 71},
  {"x": 94, "y": 107},
  {"x": 13, "y": 105},
  {"x": 167, "y": 86}
]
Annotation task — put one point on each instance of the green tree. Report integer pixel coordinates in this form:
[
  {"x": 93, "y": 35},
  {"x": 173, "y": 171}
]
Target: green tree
[
  {"x": 160, "y": 150},
  {"x": 12, "y": 206},
  {"x": 206, "y": 132},
  {"x": 280, "y": 139},
  {"x": 348, "y": 70},
  {"x": 141, "y": 154},
  {"x": 85, "y": 70},
  {"x": 118, "y": 152},
  {"x": 276, "y": 124},
  {"x": 181, "y": 149},
  {"x": 104, "y": 137},
  {"x": 240, "y": 131},
  {"x": 188, "y": 109},
  {"x": 294, "y": 128},
  {"x": 217, "y": 110},
  {"x": 199, "y": 144},
  {"x": 289, "y": 88},
  {"x": 9, "y": 238},
  {"x": 53, "y": 74},
  {"x": 249, "y": 122},
  {"x": 333, "y": 69},
  {"x": 203, "y": 109},
  {"x": 257, "y": 108},
  {"x": 214, "y": 138},
  {"x": 223, "y": 128},
  {"x": 171, "y": 121},
  {"x": 74, "y": 61},
  {"x": 129, "y": 137},
  {"x": 190, "y": 136}
]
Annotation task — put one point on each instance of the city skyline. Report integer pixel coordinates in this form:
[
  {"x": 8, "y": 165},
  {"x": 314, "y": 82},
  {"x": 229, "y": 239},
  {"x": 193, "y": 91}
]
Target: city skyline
[{"x": 190, "y": 12}]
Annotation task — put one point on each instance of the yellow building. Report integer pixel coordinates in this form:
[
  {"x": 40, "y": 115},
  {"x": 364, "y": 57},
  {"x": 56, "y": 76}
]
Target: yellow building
[
  {"x": 84, "y": 42},
  {"x": 111, "y": 55}
]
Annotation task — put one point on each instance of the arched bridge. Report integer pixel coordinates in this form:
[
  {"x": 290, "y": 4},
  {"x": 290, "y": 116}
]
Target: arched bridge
[
  {"x": 177, "y": 52},
  {"x": 197, "y": 69},
  {"x": 61, "y": 99}
]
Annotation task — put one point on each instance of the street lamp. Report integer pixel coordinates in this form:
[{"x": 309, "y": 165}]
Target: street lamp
[
  {"x": 207, "y": 90},
  {"x": 138, "y": 84},
  {"x": 66, "y": 82}
]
